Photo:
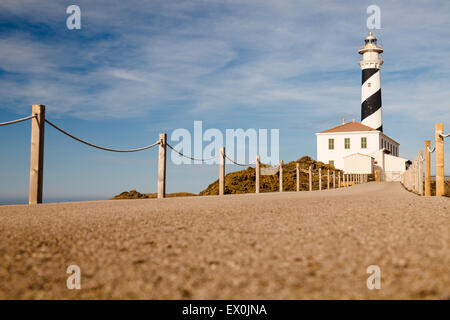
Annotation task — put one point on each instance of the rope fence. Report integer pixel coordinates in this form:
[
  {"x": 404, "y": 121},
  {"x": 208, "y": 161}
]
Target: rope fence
[
  {"x": 441, "y": 133},
  {"x": 37, "y": 157},
  {"x": 17, "y": 121},
  {"x": 415, "y": 179},
  {"x": 191, "y": 158},
  {"x": 431, "y": 150},
  {"x": 99, "y": 147},
  {"x": 238, "y": 164}
]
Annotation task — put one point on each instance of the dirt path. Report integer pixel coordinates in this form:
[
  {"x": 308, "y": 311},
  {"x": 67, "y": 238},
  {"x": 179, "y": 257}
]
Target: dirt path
[{"x": 269, "y": 246}]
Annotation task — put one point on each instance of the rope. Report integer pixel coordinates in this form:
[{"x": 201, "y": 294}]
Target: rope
[
  {"x": 431, "y": 150},
  {"x": 98, "y": 147},
  {"x": 183, "y": 155},
  {"x": 17, "y": 121},
  {"x": 239, "y": 164},
  {"x": 444, "y": 135}
]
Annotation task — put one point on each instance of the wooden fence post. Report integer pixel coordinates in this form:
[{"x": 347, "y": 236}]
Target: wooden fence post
[
  {"x": 427, "y": 168},
  {"x": 37, "y": 155},
  {"x": 310, "y": 178},
  {"x": 416, "y": 176},
  {"x": 222, "y": 172},
  {"x": 162, "y": 165},
  {"x": 297, "y": 171},
  {"x": 334, "y": 179},
  {"x": 257, "y": 173},
  {"x": 420, "y": 172},
  {"x": 440, "y": 184},
  {"x": 320, "y": 178},
  {"x": 408, "y": 177},
  {"x": 410, "y": 169},
  {"x": 281, "y": 175},
  {"x": 339, "y": 179},
  {"x": 328, "y": 179}
]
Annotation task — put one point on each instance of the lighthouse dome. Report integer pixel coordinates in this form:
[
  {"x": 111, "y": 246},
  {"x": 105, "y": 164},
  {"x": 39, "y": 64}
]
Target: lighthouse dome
[{"x": 370, "y": 39}]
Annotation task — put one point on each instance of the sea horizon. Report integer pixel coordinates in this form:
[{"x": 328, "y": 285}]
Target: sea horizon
[{"x": 19, "y": 201}]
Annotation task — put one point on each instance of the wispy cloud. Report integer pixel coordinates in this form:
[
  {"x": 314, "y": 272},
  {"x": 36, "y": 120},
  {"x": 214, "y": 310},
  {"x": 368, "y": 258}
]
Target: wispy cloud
[{"x": 131, "y": 60}]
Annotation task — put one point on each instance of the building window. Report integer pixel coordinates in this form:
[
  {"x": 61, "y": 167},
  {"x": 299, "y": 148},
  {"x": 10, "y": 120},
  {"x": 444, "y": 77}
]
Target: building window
[
  {"x": 363, "y": 142},
  {"x": 347, "y": 143},
  {"x": 331, "y": 144},
  {"x": 331, "y": 163}
]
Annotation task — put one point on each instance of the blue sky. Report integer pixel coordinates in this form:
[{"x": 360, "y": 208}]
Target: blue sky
[{"x": 137, "y": 68}]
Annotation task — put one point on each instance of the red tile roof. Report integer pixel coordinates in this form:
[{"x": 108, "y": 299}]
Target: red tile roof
[{"x": 350, "y": 126}]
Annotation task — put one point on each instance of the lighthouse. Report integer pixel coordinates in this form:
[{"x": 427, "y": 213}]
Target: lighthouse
[
  {"x": 364, "y": 148},
  {"x": 370, "y": 62}
]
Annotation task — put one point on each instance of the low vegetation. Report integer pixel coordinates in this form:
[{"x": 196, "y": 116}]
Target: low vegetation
[
  {"x": 244, "y": 181},
  {"x": 133, "y": 194}
]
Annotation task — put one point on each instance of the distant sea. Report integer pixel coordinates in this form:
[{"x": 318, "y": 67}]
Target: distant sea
[
  {"x": 47, "y": 200},
  {"x": 447, "y": 178}
]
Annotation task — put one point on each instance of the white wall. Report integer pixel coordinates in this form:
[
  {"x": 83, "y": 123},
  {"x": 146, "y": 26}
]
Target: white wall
[
  {"x": 390, "y": 145},
  {"x": 339, "y": 152},
  {"x": 358, "y": 163},
  {"x": 393, "y": 166}
]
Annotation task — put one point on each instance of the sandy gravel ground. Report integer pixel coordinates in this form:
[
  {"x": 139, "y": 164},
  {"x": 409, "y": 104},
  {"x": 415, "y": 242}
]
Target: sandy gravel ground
[{"x": 308, "y": 245}]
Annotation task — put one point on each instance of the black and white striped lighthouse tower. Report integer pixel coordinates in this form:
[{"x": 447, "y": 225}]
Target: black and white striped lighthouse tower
[{"x": 371, "y": 61}]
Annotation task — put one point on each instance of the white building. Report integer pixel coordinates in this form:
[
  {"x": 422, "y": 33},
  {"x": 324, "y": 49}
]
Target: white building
[
  {"x": 363, "y": 147},
  {"x": 336, "y": 144}
]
